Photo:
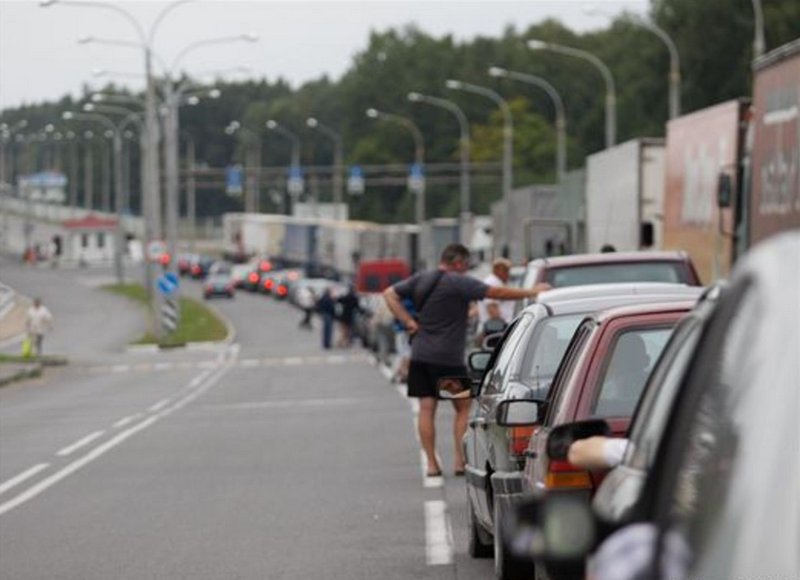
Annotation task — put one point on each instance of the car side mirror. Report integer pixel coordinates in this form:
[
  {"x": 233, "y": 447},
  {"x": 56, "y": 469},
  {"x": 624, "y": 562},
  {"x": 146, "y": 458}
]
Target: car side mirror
[
  {"x": 517, "y": 413},
  {"x": 558, "y": 530},
  {"x": 491, "y": 341},
  {"x": 450, "y": 388},
  {"x": 561, "y": 437},
  {"x": 478, "y": 361}
]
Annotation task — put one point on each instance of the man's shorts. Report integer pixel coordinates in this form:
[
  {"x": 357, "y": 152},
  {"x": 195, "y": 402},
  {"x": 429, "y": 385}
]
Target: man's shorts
[{"x": 423, "y": 376}]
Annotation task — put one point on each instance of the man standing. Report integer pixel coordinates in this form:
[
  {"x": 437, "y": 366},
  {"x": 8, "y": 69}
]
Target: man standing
[
  {"x": 37, "y": 322},
  {"x": 442, "y": 299},
  {"x": 501, "y": 270}
]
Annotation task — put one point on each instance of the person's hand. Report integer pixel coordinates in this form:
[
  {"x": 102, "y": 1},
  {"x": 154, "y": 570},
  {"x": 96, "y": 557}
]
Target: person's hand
[
  {"x": 412, "y": 327},
  {"x": 540, "y": 287}
]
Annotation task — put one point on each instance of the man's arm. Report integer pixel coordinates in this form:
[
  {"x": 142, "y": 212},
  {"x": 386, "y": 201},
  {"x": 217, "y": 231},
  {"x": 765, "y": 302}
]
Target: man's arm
[
  {"x": 509, "y": 293},
  {"x": 396, "y": 306}
]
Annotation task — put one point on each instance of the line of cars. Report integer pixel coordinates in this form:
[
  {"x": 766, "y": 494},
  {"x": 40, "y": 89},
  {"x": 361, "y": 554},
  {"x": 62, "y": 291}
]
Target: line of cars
[{"x": 603, "y": 357}]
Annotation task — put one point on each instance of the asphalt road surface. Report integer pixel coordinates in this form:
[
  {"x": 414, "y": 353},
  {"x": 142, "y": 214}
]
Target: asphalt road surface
[{"x": 265, "y": 458}]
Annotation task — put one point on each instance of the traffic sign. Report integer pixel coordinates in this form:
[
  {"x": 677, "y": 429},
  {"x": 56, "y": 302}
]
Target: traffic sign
[
  {"x": 167, "y": 284},
  {"x": 355, "y": 182},
  {"x": 295, "y": 184},
  {"x": 155, "y": 249},
  {"x": 234, "y": 180},
  {"x": 416, "y": 179}
]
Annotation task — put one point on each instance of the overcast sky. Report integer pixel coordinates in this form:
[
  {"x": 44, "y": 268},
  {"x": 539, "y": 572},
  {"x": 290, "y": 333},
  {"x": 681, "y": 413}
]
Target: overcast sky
[{"x": 40, "y": 58}]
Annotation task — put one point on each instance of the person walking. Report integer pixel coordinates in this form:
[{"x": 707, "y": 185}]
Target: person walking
[
  {"x": 38, "y": 322},
  {"x": 442, "y": 298},
  {"x": 306, "y": 301},
  {"x": 349, "y": 305},
  {"x": 326, "y": 306}
]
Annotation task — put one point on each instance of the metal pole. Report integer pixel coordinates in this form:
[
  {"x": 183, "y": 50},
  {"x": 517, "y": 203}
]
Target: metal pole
[
  {"x": 73, "y": 172},
  {"x": 759, "y": 45},
  {"x": 171, "y": 130},
  {"x": 151, "y": 191},
  {"x": 119, "y": 238},
  {"x": 88, "y": 176},
  {"x": 191, "y": 193},
  {"x": 105, "y": 200}
]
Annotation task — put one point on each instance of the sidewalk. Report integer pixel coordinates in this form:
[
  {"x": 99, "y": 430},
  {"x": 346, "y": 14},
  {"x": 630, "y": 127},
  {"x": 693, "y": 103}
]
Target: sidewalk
[{"x": 12, "y": 325}]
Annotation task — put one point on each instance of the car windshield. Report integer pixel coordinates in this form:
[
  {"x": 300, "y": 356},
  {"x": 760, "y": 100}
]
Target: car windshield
[
  {"x": 669, "y": 272},
  {"x": 545, "y": 351},
  {"x": 632, "y": 358}
]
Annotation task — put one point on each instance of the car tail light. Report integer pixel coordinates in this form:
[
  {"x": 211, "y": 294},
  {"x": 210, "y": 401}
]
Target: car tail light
[
  {"x": 253, "y": 277},
  {"x": 282, "y": 291},
  {"x": 268, "y": 284},
  {"x": 265, "y": 266},
  {"x": 195, "y": 269},
  {"x": 164, "y": 259},
  {"x": 519, "y": 437},
  {"x": 564, "y": 475}
]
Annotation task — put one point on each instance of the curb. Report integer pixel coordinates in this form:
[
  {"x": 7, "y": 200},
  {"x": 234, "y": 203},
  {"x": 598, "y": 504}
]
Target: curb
[{"x": 33, "y": 371}]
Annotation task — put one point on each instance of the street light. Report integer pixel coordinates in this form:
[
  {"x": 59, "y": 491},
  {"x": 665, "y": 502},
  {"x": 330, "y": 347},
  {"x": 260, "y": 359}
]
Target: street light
[
  {"x": 759, "y": 46},
  {"x": 674, "y": 57},
  {"x": 508, "y": 147},
  {"x": 294, "y": 172},
  {"x": 337, "y": 180},
  {"x": 252, "y": 160},
  {"x": 419, "y": 153},
  {"x": 611, "y": 95},
  {"x": 558, "y": 103},
  {"x": 463, "y": 125}
]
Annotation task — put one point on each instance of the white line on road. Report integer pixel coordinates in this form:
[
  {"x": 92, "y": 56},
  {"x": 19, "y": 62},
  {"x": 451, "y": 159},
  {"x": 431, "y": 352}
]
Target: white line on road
[
  {"x": 165, "y": 366},
  {"x": 293, "y": 361},
  {"x": 126, "y": 420},
  {"x": 158, "y": 406},
  {"x": 100, "y": 450},
  {"x": 5, "y": 486},
  {"x": 80, "y": 443},
  {"x": 438, "y": 535},
  {"x": 120, "y": 368},
  {"x": 249, "y": 363}
]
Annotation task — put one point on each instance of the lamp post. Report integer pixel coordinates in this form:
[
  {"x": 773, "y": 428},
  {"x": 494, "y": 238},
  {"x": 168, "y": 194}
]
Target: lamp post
[
  {"x": 508, "y": 147},
  {"x": 419, "y": 152},
  {"x": 191, "y": 189},
  {"x": 337, "y": 181},
  {"x": 464, "y": 147},
  {"x": 252, "y": 165},
  {"x": 759, "y": 45},
  {"x": 558, "y": 103},
  {"x": 273, "y": 125},
  {"x": 611, "y": 94}
]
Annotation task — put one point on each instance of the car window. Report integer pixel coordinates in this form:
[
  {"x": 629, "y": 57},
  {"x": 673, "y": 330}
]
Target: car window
[
  {"x": 633, "y": 354},
  {"x": 670, "y": 272},
  {"x": 653, "y": 412},
  {"x": 545, "y": 349},
  {"x": 567, "y": 367},
  {"x": 496, "y": 378}
]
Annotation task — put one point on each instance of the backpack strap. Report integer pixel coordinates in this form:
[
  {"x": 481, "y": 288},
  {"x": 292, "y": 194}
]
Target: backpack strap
[{"x": 428, "y": 291}]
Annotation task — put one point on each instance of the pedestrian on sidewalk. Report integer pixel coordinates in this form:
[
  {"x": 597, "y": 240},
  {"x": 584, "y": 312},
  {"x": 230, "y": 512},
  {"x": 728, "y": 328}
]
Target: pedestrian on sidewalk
[
  {"x": 38, "y": 322},
  {"x": 306, "y": 301},
  {"x": 326, "y": 306},
  {"x": 439, "y": 331},
  {"x": 349, "y": 306}
]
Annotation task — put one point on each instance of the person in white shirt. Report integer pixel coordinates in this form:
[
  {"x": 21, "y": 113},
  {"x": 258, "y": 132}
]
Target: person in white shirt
[
  {"x": 501, "y": 270},
  {"x": 38, "y": 322}
]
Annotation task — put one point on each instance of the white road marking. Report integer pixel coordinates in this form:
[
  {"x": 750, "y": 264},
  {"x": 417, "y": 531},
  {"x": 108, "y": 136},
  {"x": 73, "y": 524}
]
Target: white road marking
[
  {"x": 158, "y": 406},
  {"x": 165, "y": 366},
  {"x": 100, "y": 450},
  {"x": 336, "y": 359},
  {"x": 249, "y": 363},
  {"x": 293, "y": 361},
  {"x": 120, "y": 368},
  {"x": 127, "y": 420},
  {"x": 438, "y": 534},
  {"x": 25, "y": 475},
  {"x": 292, "y": 404},
  {"x": 80, "y": 443}
]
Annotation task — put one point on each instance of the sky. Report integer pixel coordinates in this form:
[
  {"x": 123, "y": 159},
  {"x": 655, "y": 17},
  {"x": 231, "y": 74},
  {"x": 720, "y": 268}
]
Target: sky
[{"x": 41, "y": 60}]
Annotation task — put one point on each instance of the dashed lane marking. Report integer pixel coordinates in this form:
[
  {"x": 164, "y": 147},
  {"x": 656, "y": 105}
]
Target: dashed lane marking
[
  {"x": 438, "y": 534},
  {"x": 24, "y": 476},
  {"x": 127, "y": 420},
  {"x": 80, "y": 443}
]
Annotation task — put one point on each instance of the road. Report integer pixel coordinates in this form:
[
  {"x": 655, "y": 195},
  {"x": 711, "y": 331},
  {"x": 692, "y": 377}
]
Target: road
[{"x": 266, "y": 458}]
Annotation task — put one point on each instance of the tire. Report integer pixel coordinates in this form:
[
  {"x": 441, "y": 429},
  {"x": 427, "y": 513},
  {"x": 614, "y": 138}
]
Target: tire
[
  {"x": 477, "y": 547},
  {"x": 506, "y": 565}
]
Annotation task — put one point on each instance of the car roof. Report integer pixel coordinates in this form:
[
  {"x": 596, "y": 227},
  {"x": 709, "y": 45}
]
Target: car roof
[
  {"x": 595, "y": 297},
  {"x": 608, "y": 258},
  {"x": 605, "y": 316}
]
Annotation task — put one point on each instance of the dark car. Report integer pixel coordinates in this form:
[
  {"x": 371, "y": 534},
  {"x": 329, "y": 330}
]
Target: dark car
[
  {"x": 522, "y": 367},
  {"x": 200, "y": 266},
  {"x": 721, "y": 497}
]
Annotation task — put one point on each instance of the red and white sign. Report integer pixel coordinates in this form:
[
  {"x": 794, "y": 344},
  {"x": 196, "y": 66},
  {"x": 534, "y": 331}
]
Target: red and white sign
[{"x": 156, "y": 250}]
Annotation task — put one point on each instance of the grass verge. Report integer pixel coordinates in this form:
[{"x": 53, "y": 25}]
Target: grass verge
[{"x": 197, "y": 323}]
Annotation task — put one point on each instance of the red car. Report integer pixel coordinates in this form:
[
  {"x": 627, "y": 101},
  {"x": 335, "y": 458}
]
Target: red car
[{"x": 602, "y": 375}]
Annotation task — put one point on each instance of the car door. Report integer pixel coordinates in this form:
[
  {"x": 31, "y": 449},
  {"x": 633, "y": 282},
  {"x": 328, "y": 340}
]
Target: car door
[{"x": 482, "y": 453}]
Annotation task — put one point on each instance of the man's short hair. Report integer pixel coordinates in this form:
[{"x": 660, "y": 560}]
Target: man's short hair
[
  {"x": 501, "y": 263},
  {"x": 454, "y": 253}
]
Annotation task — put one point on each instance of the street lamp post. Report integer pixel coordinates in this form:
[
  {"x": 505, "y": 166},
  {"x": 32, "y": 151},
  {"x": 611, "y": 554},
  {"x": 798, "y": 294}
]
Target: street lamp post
[
  {"x": 508, "y": 147},
  {"x": 759, "y": 45},
  {"x": 252, "y": 166},
  {"x": 464, "y": 147},
  {"x": 558, "y": 103},
  {"x": 419, "y": 152},
  {"x": 337, "y": 181},
  {"x": 273, "y": 125},
  {"x": 611, "y": 94}
]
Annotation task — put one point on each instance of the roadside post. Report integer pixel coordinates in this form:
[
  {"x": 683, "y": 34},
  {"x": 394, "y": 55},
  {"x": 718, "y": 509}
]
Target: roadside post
[{"x": 167, "y": 285}]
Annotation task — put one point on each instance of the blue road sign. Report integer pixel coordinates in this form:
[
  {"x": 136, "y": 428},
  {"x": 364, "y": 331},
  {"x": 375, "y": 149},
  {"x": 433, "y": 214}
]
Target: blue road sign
[
  {"x": 165, "y": 285},
  {"x": 234, "y": 180},
  {"x": 173, "y": 278},
  {"x": 355, "y": 181}
]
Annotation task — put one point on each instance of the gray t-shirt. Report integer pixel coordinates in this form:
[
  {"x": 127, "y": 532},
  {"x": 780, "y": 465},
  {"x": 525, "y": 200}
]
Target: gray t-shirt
[{"x": 443, "y": 320}]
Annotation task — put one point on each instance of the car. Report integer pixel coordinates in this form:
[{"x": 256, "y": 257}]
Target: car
[
  {"x": 200, "y": 266},
  {"x": 219, "y": 284},
  {"x": 720, "y": 499},
  {"x": 276, "y": 282},
  {"x": 185, "y": 263},
  {"x": 240, "y": 274},
  {"x": 522, "y": 366}
]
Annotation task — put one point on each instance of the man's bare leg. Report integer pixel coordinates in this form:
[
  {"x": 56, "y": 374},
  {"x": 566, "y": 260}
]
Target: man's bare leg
[
  {"x": 459, "y": 428},
  {"x": 427, "y": 431}
]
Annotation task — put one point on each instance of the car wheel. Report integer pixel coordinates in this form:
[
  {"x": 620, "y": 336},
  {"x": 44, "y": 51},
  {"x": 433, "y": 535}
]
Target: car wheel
[
  {"x": 506, "y": 565},
  {"x": 477, "y": 548}
]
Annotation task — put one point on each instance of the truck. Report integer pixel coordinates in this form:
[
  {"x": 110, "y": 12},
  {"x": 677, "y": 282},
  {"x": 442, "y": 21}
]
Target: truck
[{"x": 624, "y": 196}]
